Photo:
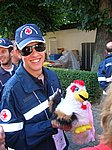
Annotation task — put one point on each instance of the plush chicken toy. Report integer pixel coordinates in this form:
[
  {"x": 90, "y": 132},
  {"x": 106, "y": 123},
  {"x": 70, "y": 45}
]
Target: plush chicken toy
[{"x": 76, "y": 110}]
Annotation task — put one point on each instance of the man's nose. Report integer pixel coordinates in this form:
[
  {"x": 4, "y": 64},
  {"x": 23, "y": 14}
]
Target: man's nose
[{"x": 34, "y": 52}]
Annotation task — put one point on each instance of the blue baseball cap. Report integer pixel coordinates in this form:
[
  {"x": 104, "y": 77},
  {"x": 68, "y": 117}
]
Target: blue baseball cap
[
  {"x": 26, "y": 34},
  {"x": 5, "y": 43}
]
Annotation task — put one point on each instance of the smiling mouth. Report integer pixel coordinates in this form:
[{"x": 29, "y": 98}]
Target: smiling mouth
[
  {"x": 82, "y": 97},
  {"x": 35, "y": 61}
]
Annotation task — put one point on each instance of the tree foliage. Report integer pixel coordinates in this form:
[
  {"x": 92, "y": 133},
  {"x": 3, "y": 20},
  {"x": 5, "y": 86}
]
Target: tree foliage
[
  {"x": 51, "y": 14},
  {"x": 47, "y": 14},
  {"x": 91, "y": 14}
]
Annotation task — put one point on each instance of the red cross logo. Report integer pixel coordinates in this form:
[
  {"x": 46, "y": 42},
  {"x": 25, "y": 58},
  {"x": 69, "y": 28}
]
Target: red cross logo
[
  {"x": 5, "y": 115},
  {"x": 28, "y": 31}
]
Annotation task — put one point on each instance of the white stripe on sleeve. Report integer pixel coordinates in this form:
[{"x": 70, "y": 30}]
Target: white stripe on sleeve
[
  {"x": 12, "y": 127},
  {"x": 101, "y": 79},
  {"x": 36, "y": 110}
]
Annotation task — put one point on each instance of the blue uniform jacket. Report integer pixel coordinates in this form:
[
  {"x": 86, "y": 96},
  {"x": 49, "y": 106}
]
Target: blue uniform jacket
[
  {"x": 5, "y": 75},
  {"x": 105, "y": 72},
  {"x": 25, "y": 111}
]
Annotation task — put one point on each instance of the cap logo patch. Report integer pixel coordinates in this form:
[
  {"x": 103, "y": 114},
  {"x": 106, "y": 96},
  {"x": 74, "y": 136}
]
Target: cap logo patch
[
  {"x": 28, "y": 31},
  {"x": 5, "y": 115}
]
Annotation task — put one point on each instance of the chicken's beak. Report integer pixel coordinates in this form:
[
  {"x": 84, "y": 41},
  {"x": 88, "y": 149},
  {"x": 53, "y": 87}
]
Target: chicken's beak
[{"x": 81, "y": 96}]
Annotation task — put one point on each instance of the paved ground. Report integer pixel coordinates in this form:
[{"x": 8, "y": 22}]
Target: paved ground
[{"x": 96, "y": 114}]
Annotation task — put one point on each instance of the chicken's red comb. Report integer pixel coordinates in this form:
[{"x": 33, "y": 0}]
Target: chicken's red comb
[{"x": 80, "y": 82}]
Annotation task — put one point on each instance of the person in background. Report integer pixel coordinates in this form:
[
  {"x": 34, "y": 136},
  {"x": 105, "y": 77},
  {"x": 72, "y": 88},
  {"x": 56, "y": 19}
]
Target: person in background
[
  {"x": 105, "y": 69},
  {"x": 16, "y": 56},
  {"x": 67, "y": 60},
  {"x": 2, "y": 139},
  {"x": 25, "y": 113},
  {"x": 7, "y": 68},
  {"x": 106, "y": 123}
]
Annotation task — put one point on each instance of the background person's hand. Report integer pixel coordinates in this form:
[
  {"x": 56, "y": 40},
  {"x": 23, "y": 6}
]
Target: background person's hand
[{"x": 2, "y": 139}]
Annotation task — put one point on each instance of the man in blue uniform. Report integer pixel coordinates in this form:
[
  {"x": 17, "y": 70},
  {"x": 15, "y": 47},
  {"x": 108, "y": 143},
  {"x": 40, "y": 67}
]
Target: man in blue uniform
[
  {"x": 105, "y": 69},
  {"x": 7, "y": 69},
  {"x": 25, "y": 114}
]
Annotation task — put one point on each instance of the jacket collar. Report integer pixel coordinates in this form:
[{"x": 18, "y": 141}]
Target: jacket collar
[
  {"x": 109, "y": 55},
  {"x": 28, "y": 83},
  {"x": 3, "y": 71}
]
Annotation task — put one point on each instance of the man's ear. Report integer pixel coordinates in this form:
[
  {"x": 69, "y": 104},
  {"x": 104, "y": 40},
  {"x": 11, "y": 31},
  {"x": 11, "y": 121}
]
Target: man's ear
[
  {"x": 19, "y": 54},
  {"x": 11, "y": 53},
  {"x": 105, "y": 53}
]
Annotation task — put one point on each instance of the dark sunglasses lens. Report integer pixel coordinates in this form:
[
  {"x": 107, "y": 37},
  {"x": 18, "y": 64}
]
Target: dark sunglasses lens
[
  {"x": 40, "y": 47},
  {"x": 26, "y": 51}
]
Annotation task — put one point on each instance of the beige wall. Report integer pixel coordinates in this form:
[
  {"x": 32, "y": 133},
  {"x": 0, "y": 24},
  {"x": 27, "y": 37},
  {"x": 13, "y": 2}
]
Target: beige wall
[{"x": 68, "y": 39}]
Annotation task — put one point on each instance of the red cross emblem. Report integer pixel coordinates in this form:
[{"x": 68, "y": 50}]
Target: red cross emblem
[
  {"x": 5, "y": 115},
  {"x": 28, "y": 31}
]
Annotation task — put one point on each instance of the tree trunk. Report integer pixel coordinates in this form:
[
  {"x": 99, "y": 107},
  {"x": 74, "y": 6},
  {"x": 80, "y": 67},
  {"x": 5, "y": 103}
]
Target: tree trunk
[{"x": 102, "y": 37}]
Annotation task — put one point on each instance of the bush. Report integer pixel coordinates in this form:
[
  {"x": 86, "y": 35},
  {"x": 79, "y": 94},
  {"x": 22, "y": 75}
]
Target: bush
[{"x": 67, "y": 76}]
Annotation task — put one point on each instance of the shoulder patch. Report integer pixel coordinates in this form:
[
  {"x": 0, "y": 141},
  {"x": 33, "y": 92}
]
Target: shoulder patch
[{"x": 5, "y": 115}]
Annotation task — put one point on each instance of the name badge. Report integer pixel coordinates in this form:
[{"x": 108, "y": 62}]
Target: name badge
[{"x": 59, "y": 140}]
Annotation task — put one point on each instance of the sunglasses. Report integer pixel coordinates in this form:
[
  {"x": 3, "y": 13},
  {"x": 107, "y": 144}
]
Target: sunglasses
[{"x": 27, "y": 50}]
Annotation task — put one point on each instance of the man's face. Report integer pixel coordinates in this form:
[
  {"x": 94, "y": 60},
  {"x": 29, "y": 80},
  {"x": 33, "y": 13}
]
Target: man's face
[
  {"x": 5, "y": 56},
  {"x": 33, "y": 62}
]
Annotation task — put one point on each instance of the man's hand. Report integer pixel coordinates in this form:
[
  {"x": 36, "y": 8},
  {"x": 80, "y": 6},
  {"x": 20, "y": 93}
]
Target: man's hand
[
  {"x": 2, "y": 139},
  {"x": 54, "y": 100},
  {"x": 56, "y": 124}
]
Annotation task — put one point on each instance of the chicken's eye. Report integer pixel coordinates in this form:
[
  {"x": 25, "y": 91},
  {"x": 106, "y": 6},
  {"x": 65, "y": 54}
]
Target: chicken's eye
[{"x": 76, "y": 89}]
